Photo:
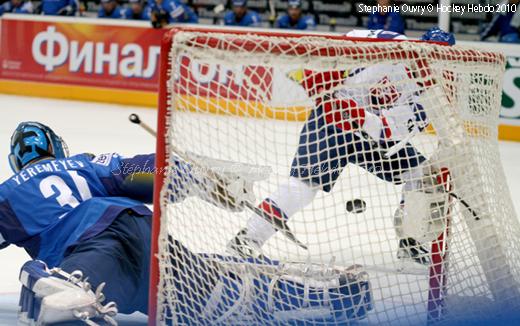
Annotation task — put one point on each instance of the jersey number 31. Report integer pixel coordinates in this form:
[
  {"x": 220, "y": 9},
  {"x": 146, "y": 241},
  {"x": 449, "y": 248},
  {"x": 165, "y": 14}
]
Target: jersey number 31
[{"x": 52, "y": 184}]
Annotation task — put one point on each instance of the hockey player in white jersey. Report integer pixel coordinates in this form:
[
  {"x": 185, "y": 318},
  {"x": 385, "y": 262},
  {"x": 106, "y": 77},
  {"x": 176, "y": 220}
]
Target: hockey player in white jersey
[{"x": 358, "y": 116}]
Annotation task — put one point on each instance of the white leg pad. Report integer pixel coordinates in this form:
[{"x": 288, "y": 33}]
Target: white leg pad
[{"x": 53, "y": 296}]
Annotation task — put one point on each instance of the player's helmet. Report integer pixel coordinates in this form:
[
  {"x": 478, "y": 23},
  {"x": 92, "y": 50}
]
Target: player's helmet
[
  {"x": 239, "y": 3},
  {"x": 294, "y": 3},
  {"x": 32, "y": 142}
]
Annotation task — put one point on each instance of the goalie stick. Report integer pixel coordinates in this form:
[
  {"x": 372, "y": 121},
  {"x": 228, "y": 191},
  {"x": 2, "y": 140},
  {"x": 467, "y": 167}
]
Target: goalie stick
[{"x": 278, "y": 223}]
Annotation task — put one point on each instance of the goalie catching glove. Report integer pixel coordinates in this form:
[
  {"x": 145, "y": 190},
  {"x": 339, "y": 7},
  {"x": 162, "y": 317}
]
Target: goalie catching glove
[{"x": 52, "y": 296}]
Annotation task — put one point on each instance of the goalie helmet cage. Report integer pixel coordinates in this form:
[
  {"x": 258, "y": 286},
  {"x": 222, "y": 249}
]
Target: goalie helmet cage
[{"x": 229, "y": 94}]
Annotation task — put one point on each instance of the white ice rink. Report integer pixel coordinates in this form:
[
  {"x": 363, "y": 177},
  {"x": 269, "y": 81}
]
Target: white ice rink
[{"x": 100, "y": 128}]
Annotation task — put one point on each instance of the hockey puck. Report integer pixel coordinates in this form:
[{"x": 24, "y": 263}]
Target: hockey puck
[{"x": 356, "y": 206}]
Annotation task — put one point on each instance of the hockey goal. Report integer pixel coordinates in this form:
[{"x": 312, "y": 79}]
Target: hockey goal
[{"x": 234, "y": 96}]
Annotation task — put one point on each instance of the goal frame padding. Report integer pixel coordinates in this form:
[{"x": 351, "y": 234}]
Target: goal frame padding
[{"x": 162, "y": 119}]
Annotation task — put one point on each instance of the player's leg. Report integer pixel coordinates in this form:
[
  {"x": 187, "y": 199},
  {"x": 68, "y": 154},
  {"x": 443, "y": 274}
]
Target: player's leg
[
  {"x": 118, "y": 257},
  {"x": 319, "y": 160}
]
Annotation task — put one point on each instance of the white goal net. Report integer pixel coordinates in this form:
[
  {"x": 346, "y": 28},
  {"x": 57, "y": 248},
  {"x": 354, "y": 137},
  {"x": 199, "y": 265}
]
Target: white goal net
[{"x": 381, "y": 154}]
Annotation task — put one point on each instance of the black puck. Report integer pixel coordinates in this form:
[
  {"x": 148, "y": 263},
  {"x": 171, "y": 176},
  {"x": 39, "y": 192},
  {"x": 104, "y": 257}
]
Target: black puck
[{"x": 356, "y": 206}]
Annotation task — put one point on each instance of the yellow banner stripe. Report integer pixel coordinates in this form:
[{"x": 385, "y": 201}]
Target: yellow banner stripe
[
  {"x": 191, "y": 103},
  {"x": 82, "y": 93}
]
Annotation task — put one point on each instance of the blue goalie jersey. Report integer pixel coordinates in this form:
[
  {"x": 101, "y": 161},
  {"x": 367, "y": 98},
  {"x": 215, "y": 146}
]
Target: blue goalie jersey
[{"x": 54, "y": 204}]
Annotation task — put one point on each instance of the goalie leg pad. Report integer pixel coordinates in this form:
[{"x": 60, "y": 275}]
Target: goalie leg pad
[
  {"x": 29, "y": 305},
  {"x": 302, "y": 298},
  {"x": 217, "y": 296},
  {"x": 53, "y": 296},
  {"x": 251, "y": 291},
  {"x": 424, "y": 215},
  {"x": 423, "y": 210}
]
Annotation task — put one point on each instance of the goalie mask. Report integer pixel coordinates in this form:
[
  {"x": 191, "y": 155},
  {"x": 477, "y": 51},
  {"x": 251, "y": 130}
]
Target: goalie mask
[{"x": 33, "y": 141}]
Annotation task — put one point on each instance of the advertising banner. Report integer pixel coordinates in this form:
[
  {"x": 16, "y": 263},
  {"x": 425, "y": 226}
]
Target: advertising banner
[
  {"x": 74, "y": 52},
  {"x": 510, "y": 112},
  {"x": 246, "y": 83}
]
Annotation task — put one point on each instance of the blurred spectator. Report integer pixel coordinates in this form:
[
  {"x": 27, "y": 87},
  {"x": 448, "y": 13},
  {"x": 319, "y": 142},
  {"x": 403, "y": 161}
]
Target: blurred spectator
[
  {"x": 294, "y": 18},
  {"x": 17, "y": 7},
  {"x": 59, "y": 7},
  {"x": 171, "y": 11},
  {"x": 387, "y": 19},
  {"x": 110, "y": 9},
  {"x": 138, "y": 10},
  {"x": 240, "y": 15},
  {"x": 505, "y": 25},
  {"x": 159, "y": 18}
]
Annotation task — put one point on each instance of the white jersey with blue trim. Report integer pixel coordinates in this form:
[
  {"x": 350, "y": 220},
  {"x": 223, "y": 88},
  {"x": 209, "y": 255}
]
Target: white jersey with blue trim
[{"x": 388, "y": 94}]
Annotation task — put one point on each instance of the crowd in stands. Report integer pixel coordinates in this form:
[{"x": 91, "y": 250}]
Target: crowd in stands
[
  {"x": 240, "y": 15},
  {"x": 387, "y": 20},
  {"x": 17, "y": 7},
  {"x": 504, "y": 26}
]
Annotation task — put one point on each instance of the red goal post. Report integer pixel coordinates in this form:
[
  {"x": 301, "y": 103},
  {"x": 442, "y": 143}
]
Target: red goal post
[{"x": 294, "y": 44}]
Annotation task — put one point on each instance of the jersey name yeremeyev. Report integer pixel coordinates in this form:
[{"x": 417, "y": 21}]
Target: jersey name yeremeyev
[{"x": 51, "y": 166}]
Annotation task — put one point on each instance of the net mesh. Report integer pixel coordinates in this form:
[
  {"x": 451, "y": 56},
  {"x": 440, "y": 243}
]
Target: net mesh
[{"x": 269, "y": 103}]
